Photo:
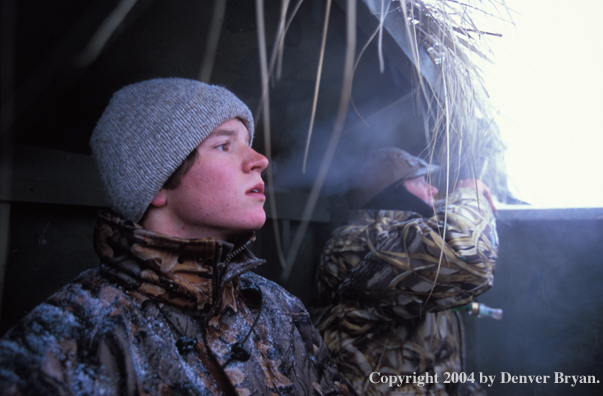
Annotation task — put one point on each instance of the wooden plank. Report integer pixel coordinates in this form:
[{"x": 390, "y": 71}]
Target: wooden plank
[
  {"x": 51, "y": 176},
  {"x": 58, "y": 177}
]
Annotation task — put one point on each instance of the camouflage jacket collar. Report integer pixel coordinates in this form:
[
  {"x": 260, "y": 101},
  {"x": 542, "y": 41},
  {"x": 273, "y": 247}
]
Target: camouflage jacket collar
[{"x": 189, "y": 273}]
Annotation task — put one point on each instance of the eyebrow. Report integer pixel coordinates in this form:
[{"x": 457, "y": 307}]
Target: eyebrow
[
  {"x": 222, "y": 132},
  {"x": 228, "y": 132}
]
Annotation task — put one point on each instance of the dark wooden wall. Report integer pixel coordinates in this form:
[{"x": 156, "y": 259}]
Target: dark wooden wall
[{"x": 548, "y": 281}]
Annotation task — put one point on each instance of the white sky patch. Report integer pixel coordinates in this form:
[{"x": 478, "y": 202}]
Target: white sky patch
[{"x": 548, "y": 85}]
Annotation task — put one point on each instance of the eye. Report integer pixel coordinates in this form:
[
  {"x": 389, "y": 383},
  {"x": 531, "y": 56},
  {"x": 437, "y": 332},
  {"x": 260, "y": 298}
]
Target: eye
[{"x": 223, "y": 146}]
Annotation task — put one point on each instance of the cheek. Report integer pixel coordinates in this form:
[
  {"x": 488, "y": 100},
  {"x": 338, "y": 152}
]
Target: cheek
[{"x": 206, "y": 181}]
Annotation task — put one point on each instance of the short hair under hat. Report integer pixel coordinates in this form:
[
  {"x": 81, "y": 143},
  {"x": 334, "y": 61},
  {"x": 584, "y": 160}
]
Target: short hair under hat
[
  {"x": 149, "y": 128},
  {"x": 383, "y": 167}
]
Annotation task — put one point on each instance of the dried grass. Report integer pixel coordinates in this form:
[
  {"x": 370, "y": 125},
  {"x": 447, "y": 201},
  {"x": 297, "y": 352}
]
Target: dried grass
[
  {"x": 460, "y": 129},
  {"x": 462, "y": 133}
]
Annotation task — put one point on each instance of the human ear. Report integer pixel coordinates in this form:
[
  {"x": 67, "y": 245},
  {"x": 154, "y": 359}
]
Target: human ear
[{"x": 160, "y": 199}]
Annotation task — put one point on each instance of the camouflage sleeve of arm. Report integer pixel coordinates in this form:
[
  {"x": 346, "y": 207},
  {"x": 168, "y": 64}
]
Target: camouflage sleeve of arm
[
  {"x": 419, "y": 265},
  {"x": 34, "y": 354}
]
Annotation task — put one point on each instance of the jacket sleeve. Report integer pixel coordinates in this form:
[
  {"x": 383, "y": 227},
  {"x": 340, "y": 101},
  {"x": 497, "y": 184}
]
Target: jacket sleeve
[
  {"x": 413, "y": 264},
  {"x": 39, "y": 355},
  {"x": 329, "y": 382},
  {"x": 70, "y": 345}
]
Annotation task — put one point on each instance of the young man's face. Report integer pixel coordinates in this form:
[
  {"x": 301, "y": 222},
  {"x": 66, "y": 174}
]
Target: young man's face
[
  {"x": 420, "y": 188},
  {"x": 222, "y": 195}
]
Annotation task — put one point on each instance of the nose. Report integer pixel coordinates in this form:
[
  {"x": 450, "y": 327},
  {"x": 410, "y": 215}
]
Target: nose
[
  {"x": 434, "y": 190},
  {"x": 255, "y": 162}
]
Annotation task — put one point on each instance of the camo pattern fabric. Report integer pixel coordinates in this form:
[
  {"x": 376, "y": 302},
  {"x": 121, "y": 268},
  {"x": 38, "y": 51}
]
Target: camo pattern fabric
[
  {"x": 167, "y": 316},
  {"x": 386, "y": 282}
]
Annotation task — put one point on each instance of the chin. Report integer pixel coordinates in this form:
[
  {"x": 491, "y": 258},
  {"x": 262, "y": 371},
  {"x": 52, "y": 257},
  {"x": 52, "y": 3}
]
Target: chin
[
  {"x": 256, "y": 221},
  {"x": 259, "y": 224}
]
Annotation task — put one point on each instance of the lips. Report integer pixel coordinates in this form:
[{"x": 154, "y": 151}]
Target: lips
[{"x": 257, "y": 189}]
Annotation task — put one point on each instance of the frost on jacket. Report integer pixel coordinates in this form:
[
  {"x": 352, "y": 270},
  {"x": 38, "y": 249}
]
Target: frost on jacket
[{"x": 167, "y": 316}]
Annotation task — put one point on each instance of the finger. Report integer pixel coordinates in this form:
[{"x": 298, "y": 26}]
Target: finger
[
  {"x": 486, "y": 193},
  {"x": 480, "y": 187}
]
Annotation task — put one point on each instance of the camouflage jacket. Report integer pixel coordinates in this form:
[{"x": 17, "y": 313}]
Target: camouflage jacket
[
  {"x": 167, "y": 316},
  {"x": 386, "y": 283}
]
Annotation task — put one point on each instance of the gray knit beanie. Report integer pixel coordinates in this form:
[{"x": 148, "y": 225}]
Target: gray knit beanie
[{"x": 149, "y": 128}]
